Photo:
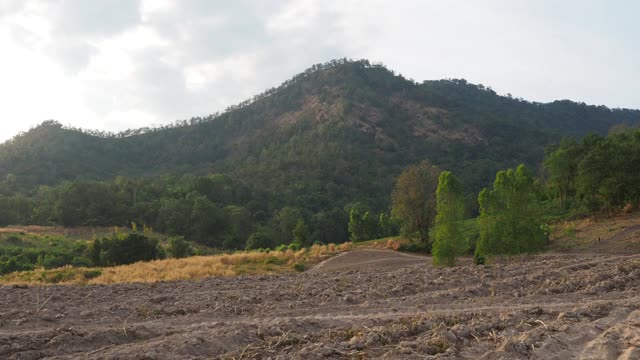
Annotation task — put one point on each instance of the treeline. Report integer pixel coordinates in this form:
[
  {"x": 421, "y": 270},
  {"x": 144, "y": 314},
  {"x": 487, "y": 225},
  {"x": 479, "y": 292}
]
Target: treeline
[
  {"x": 429, "y": 204},
  {"x": 23, "y": 251},
  {"x": 599, "y": 174},
  {"x": 214, "y": 210}
]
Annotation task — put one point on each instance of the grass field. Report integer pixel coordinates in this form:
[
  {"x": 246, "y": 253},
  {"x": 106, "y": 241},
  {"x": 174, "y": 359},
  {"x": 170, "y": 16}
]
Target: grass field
[{"x": 195, "y": 267}]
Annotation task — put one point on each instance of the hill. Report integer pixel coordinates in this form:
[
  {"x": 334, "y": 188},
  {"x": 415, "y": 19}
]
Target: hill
[{"x": 335, "y": 134}]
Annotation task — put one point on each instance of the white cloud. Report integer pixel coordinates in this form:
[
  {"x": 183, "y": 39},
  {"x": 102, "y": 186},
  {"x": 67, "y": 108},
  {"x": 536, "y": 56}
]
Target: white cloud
[{"x": 118, "y": 64}]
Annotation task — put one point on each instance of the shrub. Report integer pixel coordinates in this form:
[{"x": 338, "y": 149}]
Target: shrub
[
  {"x": 299, "y": 266},
  {"x": 570, "y": 230},
  {"x": 274, "y": 260},
  {"x": 179, "y": 247},
  {"x": 126, "y": 249},
  {"x": 294, "y": 246},
  {"x": 90, "y": 274},
  {"x": 281, "y": 247},
  {"x": 479, "y": 259},
  {"x": 258, "y": 240},
  {"x": 415, "y": 247}
]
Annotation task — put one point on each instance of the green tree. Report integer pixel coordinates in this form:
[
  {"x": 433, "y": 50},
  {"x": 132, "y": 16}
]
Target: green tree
[
  {"x": 301, "y": 233},
  {"x": 330, "y": 226},
  {"x": 387, "y": 225},
  {"x": 284, "y": 222},
  {"x": 94, "y": 252},
  {"x": 356, "y": 227},
  {"x": 561, "y": 164},
  {"x": 413, "y": 199},
  {"x": 240, "y": 227},
  {"x": 208, "y": 221},
  {"x": 449, "y": 241},
  {"x": 510, "y": 215},
  {"x": 370, "y": 226}
]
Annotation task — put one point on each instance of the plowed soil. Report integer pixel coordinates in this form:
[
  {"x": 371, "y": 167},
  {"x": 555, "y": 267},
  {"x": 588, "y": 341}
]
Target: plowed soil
[{"x": 361, "y": 304}]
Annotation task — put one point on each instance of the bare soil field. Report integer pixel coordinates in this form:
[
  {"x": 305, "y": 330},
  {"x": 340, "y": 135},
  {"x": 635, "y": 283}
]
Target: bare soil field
[{"x": 360, "y": 304}]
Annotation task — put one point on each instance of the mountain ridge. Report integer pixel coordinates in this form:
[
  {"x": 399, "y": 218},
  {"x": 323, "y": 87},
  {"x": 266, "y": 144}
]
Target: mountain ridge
[{"x": 324, "y": 134}]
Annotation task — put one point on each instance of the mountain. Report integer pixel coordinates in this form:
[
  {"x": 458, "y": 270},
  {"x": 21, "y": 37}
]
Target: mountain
[{"x": 337, "y": 133}]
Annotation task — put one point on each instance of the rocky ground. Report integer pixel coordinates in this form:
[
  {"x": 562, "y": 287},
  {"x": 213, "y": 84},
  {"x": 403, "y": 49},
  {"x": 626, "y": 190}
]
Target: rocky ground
[{"x": 361, "y": 304}]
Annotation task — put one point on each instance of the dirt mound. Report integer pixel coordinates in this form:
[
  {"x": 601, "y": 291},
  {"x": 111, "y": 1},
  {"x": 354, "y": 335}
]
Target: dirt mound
[
  {"x": 386, "y": 305},
  {"x": 363, "y": 259}
]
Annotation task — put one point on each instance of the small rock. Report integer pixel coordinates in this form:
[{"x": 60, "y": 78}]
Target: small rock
[{"x": 86, "y": 313}]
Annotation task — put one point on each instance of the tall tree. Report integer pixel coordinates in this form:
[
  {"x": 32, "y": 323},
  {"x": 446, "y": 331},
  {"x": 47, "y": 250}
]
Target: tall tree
[
  {"x": 561, "y": 164},
  {"x": 510, "y": 216},
  {"x": 449, "y": 212},
  {"x": 356, "y": 226},
  {"x": 413, "y": 199}
]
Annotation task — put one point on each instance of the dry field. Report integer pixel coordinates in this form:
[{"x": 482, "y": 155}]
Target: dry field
[
  {"x": 365, "y": 303},
  {"x": 362, "y": 304}
]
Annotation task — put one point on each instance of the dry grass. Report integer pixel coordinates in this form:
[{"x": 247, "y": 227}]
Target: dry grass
[
  {"x": 585, "y": 234},
  {"x": 196, "y": 267},
  {"x": 84, "y": 232}
]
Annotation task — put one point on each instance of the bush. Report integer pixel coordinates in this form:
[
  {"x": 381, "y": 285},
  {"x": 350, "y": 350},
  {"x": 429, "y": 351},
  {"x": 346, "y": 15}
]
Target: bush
[
  {"x": 294, "y": 246},
  {"x": 415, "y": 247},
  {"x": 90, "y": 274},
  {"x": 479, "y": 259},
  {"x": 274, "y": 260},
  {"x": 179, "y": 247},
  {"x": 299, "y": 266},
  {"x": 14, "y": 264},
  {"x": 127, "y": 249},
  {"x": 258, "y": 240},
  {"x": 281, "y": 247}
]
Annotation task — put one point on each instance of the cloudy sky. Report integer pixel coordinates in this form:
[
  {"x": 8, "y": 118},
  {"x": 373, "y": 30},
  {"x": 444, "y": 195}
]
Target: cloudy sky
[{"x": 118, "y": 64}]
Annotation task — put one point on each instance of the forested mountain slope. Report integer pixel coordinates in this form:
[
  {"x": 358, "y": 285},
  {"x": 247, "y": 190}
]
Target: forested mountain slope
[{"x": 339, "y": 132}]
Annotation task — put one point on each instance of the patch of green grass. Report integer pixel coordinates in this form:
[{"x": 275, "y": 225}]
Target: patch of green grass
[
  {"x": 299, "y": 266},
  {"x": 275, "y": 260}
]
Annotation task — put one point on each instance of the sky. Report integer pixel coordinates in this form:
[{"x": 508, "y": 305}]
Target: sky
[{"x": 123, "y": 64}]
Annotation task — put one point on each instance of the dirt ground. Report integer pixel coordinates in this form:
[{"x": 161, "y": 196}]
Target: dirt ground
[{"x": 361, "y": 304}]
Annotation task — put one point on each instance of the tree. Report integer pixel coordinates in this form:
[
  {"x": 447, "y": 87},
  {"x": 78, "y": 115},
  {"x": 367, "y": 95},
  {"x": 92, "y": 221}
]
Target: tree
[
  {"x": 301, "y": 232},
  {"x": 285, "y": 221},
  {"x": 413, "y": 199},
  {"x": 510, "y": 215},
  {"x": 387, "y": 225},
  {"x": 240, "y": 227},
  {"x": 370, "y": 227},
  {"x": 330, "y": 226},
  {"x": 94, "y": 251},
  {"x": 449, "y": 212},
  {"x": 208, "y": 221},
  {"x": 562, "y": 166},
  {"x": 356, "y": 227}
]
